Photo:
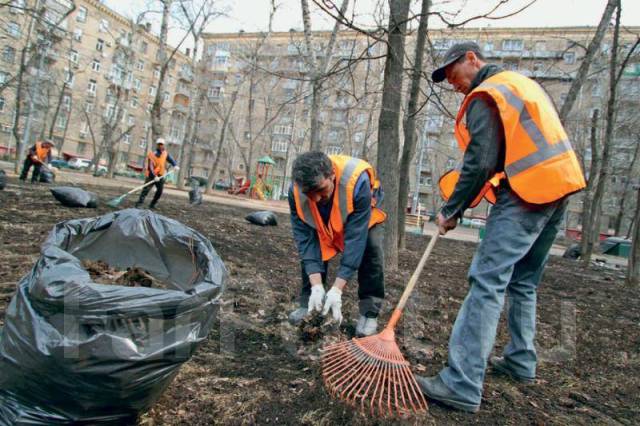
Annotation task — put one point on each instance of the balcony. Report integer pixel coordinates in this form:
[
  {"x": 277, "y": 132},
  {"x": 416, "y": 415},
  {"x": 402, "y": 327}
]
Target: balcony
[{"x": 185, "y": 75}]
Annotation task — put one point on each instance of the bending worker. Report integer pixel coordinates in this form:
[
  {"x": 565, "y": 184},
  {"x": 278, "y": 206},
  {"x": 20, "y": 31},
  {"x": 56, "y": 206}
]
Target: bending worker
[
  {"x": 38, "y": 155},
  {"x": 333, "y": 209},
  {"x": 155, "y": 167},
  {"x": 517, "y": 155}
]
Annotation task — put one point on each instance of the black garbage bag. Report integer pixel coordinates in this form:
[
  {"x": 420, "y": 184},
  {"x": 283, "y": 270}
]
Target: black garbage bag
[
  {"x": 75, "y": 197},
  {"x": 46, "y": 176},
  {"x": 263, "y": 218},
  {"x": 573, "y": 252},
  {"x": 195, "y": 194},
  {"x": 73, "y": 351},
  {"x": 3, "y": 179}
]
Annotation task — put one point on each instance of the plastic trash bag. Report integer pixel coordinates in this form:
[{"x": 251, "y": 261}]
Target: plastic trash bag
[
  {"x": 75, "y": 197},
  {"x": 46, "y": 176},
  {"x": 3, "y": 179},
  {"x": 195, "y": 193},
  {"x": 263, "y": 218},
  {"x": 73, "y": 351}
]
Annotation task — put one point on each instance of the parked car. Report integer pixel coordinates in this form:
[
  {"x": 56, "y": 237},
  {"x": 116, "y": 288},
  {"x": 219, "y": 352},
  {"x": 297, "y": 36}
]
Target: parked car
[
  {"x": 78, "y": 163},
  {"x": 59, "y": 163},
  {"x": 222, "y": 184}
]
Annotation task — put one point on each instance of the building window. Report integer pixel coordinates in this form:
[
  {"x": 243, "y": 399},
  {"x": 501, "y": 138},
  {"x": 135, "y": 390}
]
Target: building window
[
  {"x": 137, "y": 84},
  {"x": 282, "y": 130},
  {"x": 279, "y": 145},
  {"x": 143, "y": 46},
  {"x": 358, "y": 137},
  {"x": 538, "y": 66},
  {"x": 81, "y": 16},
  {"x": 334, "y": 150},
  {"x": 4, "y": 77},
  {"x": 61, "y": 121},
  {"x": 84, "y": 129},
  {"x": 82, "y": 148},
  {"x": 569, "y": 57},
  {"x": 214, "y": 92},
  {"x": 126, "y": 139},
  {"x": 68, "y": 77},
  {"x": 512, "y": 45},
  {"x": 140, "y": 65},
  {"x": 488, "y": 46},
  {"x": 104, "y": 25},
  {"x": 77, "y": 34},
  {"x": 165, "y": 97},
  {"x": 221, "y": 61},
  {"x": 73, "y": 56},
  {"x": 156, "y": 72},
  {"x": 1, "y": 103},
  {"x": 130, "y": 120},
  {"x": 88, "y": 107},
  {"x": 152, "y": 91},
  {"x": 596, "y": 90},
  {"x": 143, "y": 142},
  {"x": 95, "y": 65},
  {"x": 13, "y": 28},
  {"x": 110, "y": 111},
  {"x": 9, "y": 54},
  {"x": 134, "y": 102},
  {"x": 91, "y": 87},
  {"x": 541, "y": 46},
  {"x": 99, "y": 45},
  {"x": 66, "y": 102}
]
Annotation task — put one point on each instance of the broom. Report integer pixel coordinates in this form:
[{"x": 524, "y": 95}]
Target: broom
[
  {"x": 371, "y": 371},
  {"x": 116, "y": 201}
]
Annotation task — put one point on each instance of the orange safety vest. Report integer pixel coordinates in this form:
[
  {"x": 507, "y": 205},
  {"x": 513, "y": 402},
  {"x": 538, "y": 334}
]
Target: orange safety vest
[
  {"x": 331, "y": 236},
  {"x": 159, "y": 164},
  {"x": 41, "y": 152},
  {"x": 540, "y": 163}
]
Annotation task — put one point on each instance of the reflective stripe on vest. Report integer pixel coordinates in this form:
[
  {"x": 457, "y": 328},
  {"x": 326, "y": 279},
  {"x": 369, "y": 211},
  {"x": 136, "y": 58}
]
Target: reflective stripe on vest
[
  {"x": 540, "y": 163},
  {"x": 331, "y": 236}
]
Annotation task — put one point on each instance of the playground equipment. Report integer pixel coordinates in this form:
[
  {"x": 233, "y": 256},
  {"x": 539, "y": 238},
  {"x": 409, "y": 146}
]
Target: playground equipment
[{"x": 261, "y": 184}]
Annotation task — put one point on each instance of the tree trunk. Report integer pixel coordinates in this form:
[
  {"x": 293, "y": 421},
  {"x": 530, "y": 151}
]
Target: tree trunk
[
  {"x": 603, "y": 176},
  {"x": 586, "y": 243},
  {"x": 633, "y": 268},
  {"x": 211, "y": 179},
  {"x": 57, "y": 110},
  {"x": 581, "y": 75},
  {"x": 409, "y": 147},
  {"x": 389, "y": 125},
  {"x": 156, "y": 111},
  {"x": 625, "y": 188}
]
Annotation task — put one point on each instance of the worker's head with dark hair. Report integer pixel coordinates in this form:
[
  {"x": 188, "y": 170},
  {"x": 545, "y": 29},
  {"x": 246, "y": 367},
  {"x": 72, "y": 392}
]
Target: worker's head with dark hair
[{"x": 314, "y": 175}]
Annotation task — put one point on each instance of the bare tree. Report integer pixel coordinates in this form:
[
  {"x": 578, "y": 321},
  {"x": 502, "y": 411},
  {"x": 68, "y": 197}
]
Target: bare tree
[
  {"x": 318, "y": 69},
  {"x": 633, "y": 267},
  {"x": 225, "y": 115},
  {"x": 409, "y": 147},
  {"x": 581, "y": 75},
  {"x": 389, "y": 125}
]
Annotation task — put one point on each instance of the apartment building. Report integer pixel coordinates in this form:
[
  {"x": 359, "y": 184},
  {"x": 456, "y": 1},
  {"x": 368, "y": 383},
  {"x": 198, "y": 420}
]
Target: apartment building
[{"x": 91, "y": 80}]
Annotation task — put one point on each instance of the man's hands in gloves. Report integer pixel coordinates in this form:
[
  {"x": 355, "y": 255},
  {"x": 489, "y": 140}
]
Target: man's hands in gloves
[
  {"x": 316, "y": 298},
  {"x": 157, "y": 178},
  {"x": 333, "y": 303}
]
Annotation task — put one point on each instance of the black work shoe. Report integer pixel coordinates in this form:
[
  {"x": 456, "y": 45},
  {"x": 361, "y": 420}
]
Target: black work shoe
[
  {"x": 434, "y": 388},
  {"x": 500, "y": 365}
]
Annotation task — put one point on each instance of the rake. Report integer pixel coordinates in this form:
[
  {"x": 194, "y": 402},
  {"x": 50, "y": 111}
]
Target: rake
[
  {"x": 371, "y": 371},
  {"x": 116, "y": 201}
]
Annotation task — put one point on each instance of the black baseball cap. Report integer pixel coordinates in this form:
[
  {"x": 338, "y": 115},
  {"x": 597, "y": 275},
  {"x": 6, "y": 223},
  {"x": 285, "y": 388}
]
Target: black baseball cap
[{"x": 454, "y": 53}]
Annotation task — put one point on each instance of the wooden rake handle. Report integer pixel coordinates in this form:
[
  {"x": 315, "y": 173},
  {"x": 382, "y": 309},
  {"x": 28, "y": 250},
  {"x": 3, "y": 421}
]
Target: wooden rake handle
[{"x": 397, "y": 313}]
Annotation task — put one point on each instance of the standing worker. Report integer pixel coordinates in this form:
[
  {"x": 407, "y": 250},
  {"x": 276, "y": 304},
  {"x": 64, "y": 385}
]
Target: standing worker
[
  {"x": 518, "y": 156},
  {"x": 333, "y": 209},
  {"x": 38, "y": 154},
  {"x": 155, "y": 167}
]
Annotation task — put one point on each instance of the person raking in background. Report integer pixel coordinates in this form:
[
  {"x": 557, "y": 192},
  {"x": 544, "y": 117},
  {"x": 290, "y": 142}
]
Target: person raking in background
[
  {"x": 155, "y": 167},
  {"x": 518, "y": 156},
  {"x": 37, "y": 156},
  {"x": 333, "y": 202}
]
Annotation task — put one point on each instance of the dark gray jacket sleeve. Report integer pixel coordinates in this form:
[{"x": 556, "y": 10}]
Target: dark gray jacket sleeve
[
  {"x": 356, "y": 230},
  {"x": 171, "y": 160},
  {"x": 482, "y": 157},
  {"x": 306, "y": 240}
]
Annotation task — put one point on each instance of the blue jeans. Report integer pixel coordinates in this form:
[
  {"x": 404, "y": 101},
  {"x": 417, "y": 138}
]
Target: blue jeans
[{"x": 509, "y": 259}]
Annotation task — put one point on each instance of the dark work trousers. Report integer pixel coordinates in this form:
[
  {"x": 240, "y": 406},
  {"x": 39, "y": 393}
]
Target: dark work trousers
[
  {"x": 28, "y": 162},
  {"x": 370, "y": 276},
  {"x": 159, "y": 187}
]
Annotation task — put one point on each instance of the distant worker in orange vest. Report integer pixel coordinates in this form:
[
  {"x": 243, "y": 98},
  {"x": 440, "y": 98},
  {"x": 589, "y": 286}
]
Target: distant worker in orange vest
[
  {"x": 37, "y": 156},
  {"x": 155, "y": 167},
  {"x": 333, "y": 202},
  {"x": 517, "y": 156}
]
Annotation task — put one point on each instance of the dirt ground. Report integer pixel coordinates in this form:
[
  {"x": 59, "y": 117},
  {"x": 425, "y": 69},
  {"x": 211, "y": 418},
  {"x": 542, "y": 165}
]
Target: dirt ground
[{"x": 254, "y": 368}]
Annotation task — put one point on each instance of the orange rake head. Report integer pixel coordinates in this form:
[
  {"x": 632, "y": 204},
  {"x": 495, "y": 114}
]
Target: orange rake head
[{"x": 372, "y": 373}]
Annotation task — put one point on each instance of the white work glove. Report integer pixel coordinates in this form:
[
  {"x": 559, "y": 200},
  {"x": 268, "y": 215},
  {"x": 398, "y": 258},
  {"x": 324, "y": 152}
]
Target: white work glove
[
  {"x": 176, "y": 169},
  {"x": 333, "y": 302},
  {"x": 315, "y": 300},
  {"x": 157, "y": 179}
]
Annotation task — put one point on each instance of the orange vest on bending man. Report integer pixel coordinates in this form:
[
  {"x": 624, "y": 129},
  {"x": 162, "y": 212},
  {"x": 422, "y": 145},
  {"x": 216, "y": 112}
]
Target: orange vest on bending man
[
  {"x": 331, "y": 236},
  {"x": 159, "y": 164},
  {"x": 540, "y": 163},
  {"x": 42, "y": 152}
]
